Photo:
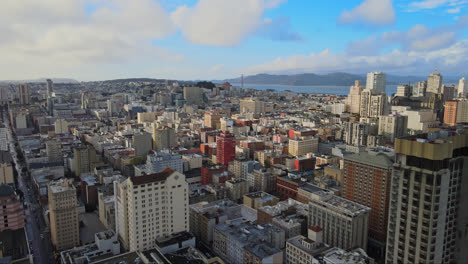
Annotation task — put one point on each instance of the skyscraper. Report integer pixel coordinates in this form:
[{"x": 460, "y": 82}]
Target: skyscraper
[
  {"x": 354, "y": 97},
  {"x": 225, "y": 148},
  {"x": 54, "y": 151},
  {"x": 163, "y": 137},
  {"x": 434, "y": 82},
  {"x": 63, "y": 208},
  {"x": 429, "y": 199},
  {"x": 419, "y": 89},
  {"x": 366, "y": 180},
  {"x": 461, "y": 90},
  {"x": 50, "y": 99},
  {"x": 376, "y": 81},
  {"x": 150, "y": 206},
  {"x": 23, "y": 90},
  {"x": 393, "y": 126}
]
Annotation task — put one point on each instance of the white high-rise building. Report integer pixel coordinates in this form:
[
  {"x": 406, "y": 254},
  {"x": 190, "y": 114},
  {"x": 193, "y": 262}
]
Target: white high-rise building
[
  {"x": 150, "y": 206},
  {"x": 354, "y": 97},
  {"x": 376, "y": 81},
  {"x": 434, "y": 82},
  {"x": 461, "y": 90}
]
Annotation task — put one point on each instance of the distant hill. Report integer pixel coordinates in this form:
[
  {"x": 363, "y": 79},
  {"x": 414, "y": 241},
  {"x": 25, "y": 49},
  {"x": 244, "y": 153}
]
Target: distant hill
[
  {"x": 41, "y": 80},
  {"x": 337, "y": 78}
]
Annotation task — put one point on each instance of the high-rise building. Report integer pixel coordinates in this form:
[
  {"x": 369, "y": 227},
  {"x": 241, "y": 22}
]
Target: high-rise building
[
  {"x": 212, "y": 119},
  {"x": 376, "y": 81},
  {"x": 462, "y": 86},
  {"x": 4, "y": 138},
  {"x": 161, "y": 160},
  {"x": 434, "y": 82},
  {"x": 63, "y": 214},
  {"x": 456, "y": 112},
  {"x": 50, "y": 97},
  {"x": 301, "y": 146},
  {"x": 449, "y": 92},
  {"x": 429, "y": 199},
  {"x": 61, "y": 126},
  {"x": 23, "y": 90},
  {"x": 356, "y": 133},
  {"x": 6, "y": 168},
  {"x": 251, "y": 105},
  {"x": 150, "y": 206},
  {"x": 366, "y": 180},
  {"x": 142, "y": 143},
  {"x": 225, "y": 148},
  {"x": 54, "y": 151},
  {"x": 241, "y": 168},
  {"x": 378, "y": 105},
  {"x": 403, "y": 90},
  {"x": 163, "y": 137},
  {"x": 12, "y": 213},
  {"x": 393, "y": 126},
  {"x": 419, "y": 89},
  {"x": 193, "y": 95},
  {"x": 344, "y": 223},
  {"x": 83, "y": 159}
]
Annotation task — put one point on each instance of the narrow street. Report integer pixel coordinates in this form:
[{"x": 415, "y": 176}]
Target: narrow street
[{"x": 38, "y": 234}]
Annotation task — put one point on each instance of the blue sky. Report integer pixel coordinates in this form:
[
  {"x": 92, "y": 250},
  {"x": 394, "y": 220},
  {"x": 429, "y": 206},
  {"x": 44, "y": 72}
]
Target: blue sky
[{"x": 216, "y": 39}]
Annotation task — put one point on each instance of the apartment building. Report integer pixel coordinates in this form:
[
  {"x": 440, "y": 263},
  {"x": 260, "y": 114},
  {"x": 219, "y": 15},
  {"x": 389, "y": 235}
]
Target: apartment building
[
  {"x": 150, "y": 206},
  {"x": 63, "y": 214}
]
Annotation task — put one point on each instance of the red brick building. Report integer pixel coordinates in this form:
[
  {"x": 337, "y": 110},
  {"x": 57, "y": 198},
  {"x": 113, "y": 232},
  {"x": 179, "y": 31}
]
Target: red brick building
[
  {"x": 225, "y": 148},
  {"x": 207, "y": 172},
  {"x": 287, "y": 187},
  {"x": 304, "y": 164},
  {"x": 366, "y": 180}
]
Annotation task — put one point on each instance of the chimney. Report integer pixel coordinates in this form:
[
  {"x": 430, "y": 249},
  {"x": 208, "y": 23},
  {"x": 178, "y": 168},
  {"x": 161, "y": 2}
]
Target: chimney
[{"x": 315, "y": 233}]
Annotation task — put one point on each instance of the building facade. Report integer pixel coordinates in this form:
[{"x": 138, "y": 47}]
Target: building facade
[
  {"x": 429, "y": 199},
  {"x": 63, "y": 214},
  {"x": 150, "y": 206}
]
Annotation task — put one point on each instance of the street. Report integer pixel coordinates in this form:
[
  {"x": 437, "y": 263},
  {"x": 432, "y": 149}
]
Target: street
[{"x": 37, "y": 231}]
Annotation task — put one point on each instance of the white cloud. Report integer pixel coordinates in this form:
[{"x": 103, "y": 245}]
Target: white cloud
[
  {"x": 450, "y": 59},
  {"x": 221, "y": 22},
  {"x": 455, "y": 10},
  {"x": 374, "y": 12},
  {"x": 431, "y": 4},
  {"x": 417, "y": 38},
  {"x": 56, "y": 37}
]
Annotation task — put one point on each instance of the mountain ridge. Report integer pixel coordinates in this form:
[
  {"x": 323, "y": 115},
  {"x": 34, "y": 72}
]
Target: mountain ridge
[{"x": 336, "y": 78}]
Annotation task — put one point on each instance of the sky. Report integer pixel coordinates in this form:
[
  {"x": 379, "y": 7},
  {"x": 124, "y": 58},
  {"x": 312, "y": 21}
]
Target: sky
[{"x": 217, "y": 39}]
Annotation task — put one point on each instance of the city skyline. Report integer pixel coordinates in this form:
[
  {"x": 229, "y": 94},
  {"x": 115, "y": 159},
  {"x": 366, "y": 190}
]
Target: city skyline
[{"x": 208, "y": 39}]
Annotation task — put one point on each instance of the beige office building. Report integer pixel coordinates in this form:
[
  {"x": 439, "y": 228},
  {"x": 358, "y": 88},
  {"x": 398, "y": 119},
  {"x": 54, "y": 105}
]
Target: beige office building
[
  {"x": 163, "y": 137},
  {"x": 354, "y": 97},
  {"x": 150, "y": 206},
  {"x": 6, "y": 168},
  {"x": 63, "y": 213},
  {"x": 345, "y": 223},
  {"x": 193, "y": 95},
  {"x": 61, "y": 126},
  {"x": 300, "y": 147},
  {"x": 429, "y": 199},
  {"x": 146, "y": 117}
]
